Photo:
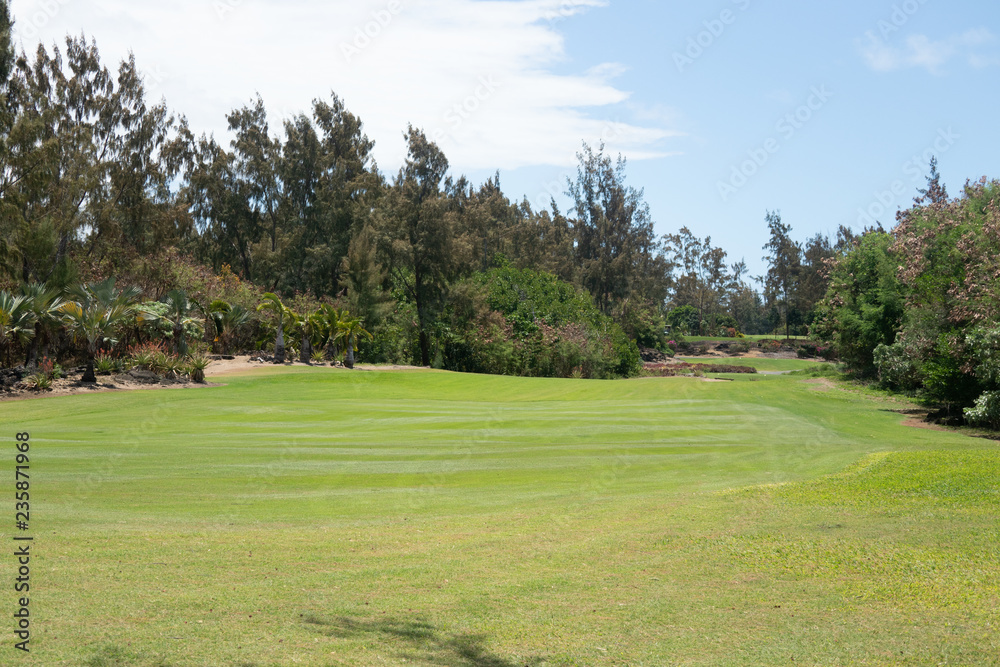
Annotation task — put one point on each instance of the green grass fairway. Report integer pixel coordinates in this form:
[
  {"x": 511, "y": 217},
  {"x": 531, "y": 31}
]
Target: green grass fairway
[
  {"x": 318, "y": 517},
  {"x": 760, "y": 363}
]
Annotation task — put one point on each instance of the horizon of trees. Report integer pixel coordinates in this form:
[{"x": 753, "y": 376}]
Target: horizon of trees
[
  {"x": 94, "y": 175},
  {"x": 98, "y": 181}
]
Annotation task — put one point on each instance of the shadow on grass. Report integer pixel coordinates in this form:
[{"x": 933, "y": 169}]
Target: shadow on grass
[
  {"x": 418, "y": 640},
  {"x": 112, "y": 655}
]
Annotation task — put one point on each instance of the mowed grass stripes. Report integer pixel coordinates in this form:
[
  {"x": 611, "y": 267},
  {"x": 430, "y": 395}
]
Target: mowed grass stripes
[{"x": 320, "y": 517}]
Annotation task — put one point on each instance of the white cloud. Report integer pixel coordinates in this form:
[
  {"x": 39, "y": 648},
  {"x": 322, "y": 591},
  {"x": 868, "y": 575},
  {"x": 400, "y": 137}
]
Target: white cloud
[
  {"x": 477, "y": 75},
  {"x": 921, "y": 51}
]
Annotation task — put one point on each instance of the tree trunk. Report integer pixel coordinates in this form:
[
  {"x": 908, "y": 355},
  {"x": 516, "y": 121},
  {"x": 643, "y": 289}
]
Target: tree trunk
[
  {"x": 31, "y": 361},
  {"x": 279, "y": 344},
  {"x": 89, "y": 375},
  {"x": 305, "y": 356},
  {"x": 180, "y": 347},
  {"x": 349, "y": 361},
  {"x": 786, "y": 320},
  {"x": 425, "y": 349}
]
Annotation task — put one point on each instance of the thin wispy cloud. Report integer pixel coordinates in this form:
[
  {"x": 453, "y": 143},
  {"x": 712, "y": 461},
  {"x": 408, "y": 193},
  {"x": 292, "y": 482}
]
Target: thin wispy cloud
[
  {"x": 479, "y": 77},
  {"x": 924, "y": 52}
]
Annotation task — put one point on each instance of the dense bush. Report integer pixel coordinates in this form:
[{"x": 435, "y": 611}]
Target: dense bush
[
  {"x": 917, "y": 307},
  {"x": 737, "y": 349},
  {"x": 865, "y": 305},
  {"x": 895, "y": 367},
  {"x": 524, "y": 322},
  {"x": 986, "y": 411},
  {"x": 810, "y": 349}
]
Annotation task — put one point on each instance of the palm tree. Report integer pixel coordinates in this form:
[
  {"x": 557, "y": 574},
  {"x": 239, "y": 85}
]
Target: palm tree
[
  {"x": 349, "y": 330},
  {"x": 227, "y": 320},
  {"x": 273, "y": 303},
  {"x": 313, "y": 330},
  {"x": 16, "y": 320},
  {"x": 331, "y": 318},
  {"x": 44, "y": 303},
  {"x": 92, "y": 313},
  {"x": 319, "y": 332},
  {"x": 179, "y": 315},
  {"x": 300, "y": 325}
]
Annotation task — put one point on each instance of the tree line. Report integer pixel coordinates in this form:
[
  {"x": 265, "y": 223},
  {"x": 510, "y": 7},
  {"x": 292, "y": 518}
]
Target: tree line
[
  {"x": 916, "y": 308},
  {"x": 96, "y": 180}
]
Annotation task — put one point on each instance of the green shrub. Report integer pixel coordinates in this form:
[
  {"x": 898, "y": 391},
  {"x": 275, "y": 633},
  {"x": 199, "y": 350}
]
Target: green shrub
[
  {"x": 38, "y": 381},
  {"x": 986, "y": 412},
  {"x": 895, "y": 367},
  {"x": 196, "y": 366},
  {"x": 738, "y": 348},
  {"x": 523, "y": 322},
  {"x": 105, "y": 364},
  {"x": 142, "y": 356},
  {"x": 162, "y": 328},
  {"x": 167, "y": 365}
]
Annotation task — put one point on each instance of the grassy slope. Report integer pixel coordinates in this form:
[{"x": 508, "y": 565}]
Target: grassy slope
[{"x": 328, "y": 518}]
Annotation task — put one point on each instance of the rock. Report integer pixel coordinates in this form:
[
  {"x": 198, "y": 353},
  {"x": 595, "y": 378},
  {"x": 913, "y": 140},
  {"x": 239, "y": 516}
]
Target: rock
[
  {"x": 145, "y": 377},
  {"x": 11, "y": 376},
  {"x": 650, "y": 355}
]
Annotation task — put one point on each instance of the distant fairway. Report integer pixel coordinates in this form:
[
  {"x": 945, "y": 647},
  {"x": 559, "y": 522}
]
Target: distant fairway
[
  {"x": 318, "y": 517},
  {"x": 760, "y": 363}
]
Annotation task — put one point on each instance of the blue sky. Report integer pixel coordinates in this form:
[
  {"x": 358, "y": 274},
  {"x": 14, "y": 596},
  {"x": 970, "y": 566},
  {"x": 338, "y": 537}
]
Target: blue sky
[{"x": 725, "y": 109}]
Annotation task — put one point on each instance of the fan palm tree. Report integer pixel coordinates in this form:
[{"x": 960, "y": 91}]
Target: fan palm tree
[
  {"x": 44, "y": 303},
  {"x": 179, "y": 314},
  {"x": 273, "y": 303},
  {"x": 349, "y": 330},
  {"x": 93, "y": 311},
  {"x": 227, "y": 320},
  {"x": 16, "y": 320}
]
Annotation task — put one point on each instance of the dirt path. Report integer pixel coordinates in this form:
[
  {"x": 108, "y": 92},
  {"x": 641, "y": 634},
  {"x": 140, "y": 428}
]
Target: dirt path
[{"x": 248, "y": 363}]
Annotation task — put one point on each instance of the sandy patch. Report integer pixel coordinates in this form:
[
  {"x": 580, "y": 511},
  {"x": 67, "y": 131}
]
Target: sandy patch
[
  {"x": 251, "y": 363},
  {"x": 918, "y": 422},
  {"x": 821, "y": 384},
  {"x": 917, "y": 418}
]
